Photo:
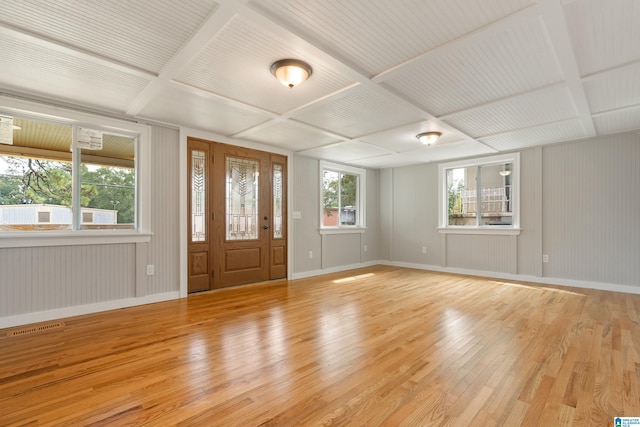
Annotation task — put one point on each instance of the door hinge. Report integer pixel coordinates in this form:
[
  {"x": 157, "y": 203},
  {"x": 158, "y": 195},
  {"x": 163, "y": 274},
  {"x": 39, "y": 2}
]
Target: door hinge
[{"x": 212, "y": 273}]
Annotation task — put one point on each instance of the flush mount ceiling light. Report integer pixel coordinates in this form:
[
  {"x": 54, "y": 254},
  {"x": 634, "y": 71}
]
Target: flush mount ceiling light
[
  {"x": 291, "y": 72},
  {"x": 428, "y": 138},
  {"x": 505, "y": 172}
]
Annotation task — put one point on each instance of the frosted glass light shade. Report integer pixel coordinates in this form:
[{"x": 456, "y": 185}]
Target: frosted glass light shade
[
  {"x": 428, "y": 138},
  {"x": 291, "y": 72}
]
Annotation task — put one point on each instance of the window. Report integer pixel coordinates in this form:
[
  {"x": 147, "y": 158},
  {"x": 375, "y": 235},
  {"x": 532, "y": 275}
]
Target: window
[
  {"x": 83, "y": 172},
  {"x": 480, "y": 195},
  {"x": 342, "y": 197}
]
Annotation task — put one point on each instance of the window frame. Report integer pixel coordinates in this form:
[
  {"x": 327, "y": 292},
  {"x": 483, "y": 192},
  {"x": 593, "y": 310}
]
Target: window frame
[
  {"x": 142, "y": 134},
  {"x": 513, "y": 229},
  {"x": 360, "y": 225}
]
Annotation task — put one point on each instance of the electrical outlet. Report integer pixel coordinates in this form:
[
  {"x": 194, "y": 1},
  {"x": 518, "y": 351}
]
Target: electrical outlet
[
  {"x": 545, "y": 258},
  {"x": 150, "y": 270},
  {"x": 310, "y": 254},
  {"x": 365, "y": 248},
  {"x": 424, "y": 249}
]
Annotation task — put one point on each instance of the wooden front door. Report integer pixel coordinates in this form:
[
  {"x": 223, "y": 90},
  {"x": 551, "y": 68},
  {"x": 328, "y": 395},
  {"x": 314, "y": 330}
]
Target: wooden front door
[{"x": 244, "y": 203}]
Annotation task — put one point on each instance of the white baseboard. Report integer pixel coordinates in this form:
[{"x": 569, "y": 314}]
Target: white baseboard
[
  {"x": 313, "y": 273},
  {"x": 522, "y": 277},
  {"x": 45, "y": 316}
]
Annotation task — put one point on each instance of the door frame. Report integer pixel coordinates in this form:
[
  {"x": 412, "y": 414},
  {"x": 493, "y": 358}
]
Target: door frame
[{"x": 186, "y": 133}]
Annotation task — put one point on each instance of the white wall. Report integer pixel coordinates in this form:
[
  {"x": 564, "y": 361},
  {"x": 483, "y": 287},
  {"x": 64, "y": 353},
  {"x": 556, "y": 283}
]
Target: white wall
[
  {"x": 591, "y": 210},
  {"x": 305, "y": 199},
  {"x": 42, "y": 283},
  {"x": 580, "y": 204},
  {"x": 330, "y": 252}
]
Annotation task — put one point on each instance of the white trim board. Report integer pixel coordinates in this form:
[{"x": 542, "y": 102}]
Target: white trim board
[
  {"x": 584, "y": 284},
  {"x": 313, "y": 273},
  {"x": 60, "y": 313},
  {"x": 44, "y": 316}
]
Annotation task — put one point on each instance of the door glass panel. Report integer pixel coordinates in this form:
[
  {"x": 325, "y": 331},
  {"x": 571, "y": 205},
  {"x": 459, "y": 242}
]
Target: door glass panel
[
  {"x": 242, "y": 199},
  {"x": 278, "y": 231},
  {"x": 198, "y": 196}
]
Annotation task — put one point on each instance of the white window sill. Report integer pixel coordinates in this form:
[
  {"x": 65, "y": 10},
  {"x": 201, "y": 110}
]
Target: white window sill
[
  {"x": 495, "y": 230},
  {"x": 36, "y": 239},
  {"x": 343, "y": 230}
]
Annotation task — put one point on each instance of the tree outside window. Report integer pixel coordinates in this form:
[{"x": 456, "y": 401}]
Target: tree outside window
[
  {"x": 341, "y": 196},
  {"x": 37, "y": 180}
]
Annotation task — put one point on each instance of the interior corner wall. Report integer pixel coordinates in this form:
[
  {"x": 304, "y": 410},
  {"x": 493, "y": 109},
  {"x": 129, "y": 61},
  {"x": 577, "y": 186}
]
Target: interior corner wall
[
  {"x": 68, "y": 280},
  {"x": 580, "y": 204},
  {"x": 591, "y": 203},
  {"x": 314, "y": 253}
]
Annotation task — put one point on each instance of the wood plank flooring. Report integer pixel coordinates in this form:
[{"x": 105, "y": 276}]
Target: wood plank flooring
[{"x": 376, "y": 346}]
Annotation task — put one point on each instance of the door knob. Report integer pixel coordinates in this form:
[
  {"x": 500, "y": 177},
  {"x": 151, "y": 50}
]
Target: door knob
[{"x": 265, "y": 227}]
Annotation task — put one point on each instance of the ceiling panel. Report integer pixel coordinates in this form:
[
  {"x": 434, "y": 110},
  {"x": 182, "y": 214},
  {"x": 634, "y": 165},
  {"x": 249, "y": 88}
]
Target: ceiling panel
[
  {"x": 387, "y": 161},
  {"x": 516, "y": 60},
  {"x": 618, "y": 121},
  {"x": 615, "y": 89},
  {"x": 436, "y": 153},
  {"x": 290, "y": 135},
  {"x": 510, "y": 74},
  {"x": 236, "y": 63},
  {"x": 604, "y": 33},
  {"x": 346, "y": 151},
  {"x": 176, "y": 105},
  {"x": 40, "y": 70},
  {"x": 531, "y": 109},
  {"x": 376, "y": 35},
  {"x": 142, "y": 33},
  {"x": 403, "y": 139},
  {"x": 358, "y": 112},
  {"x": 541, "y": 135}
]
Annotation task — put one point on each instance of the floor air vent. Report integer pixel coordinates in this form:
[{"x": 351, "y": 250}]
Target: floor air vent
[{"x": 33, "y": 329}]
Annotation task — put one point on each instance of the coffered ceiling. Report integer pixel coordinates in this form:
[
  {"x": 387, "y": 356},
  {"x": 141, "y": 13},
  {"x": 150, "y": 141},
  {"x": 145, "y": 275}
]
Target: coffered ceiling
[{"x": 491, "y": 75}]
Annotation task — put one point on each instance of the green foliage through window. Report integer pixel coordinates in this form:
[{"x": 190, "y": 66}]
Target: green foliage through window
[
  {"x": 36, "y": 181},
  {"x": 340, "y": 198}
]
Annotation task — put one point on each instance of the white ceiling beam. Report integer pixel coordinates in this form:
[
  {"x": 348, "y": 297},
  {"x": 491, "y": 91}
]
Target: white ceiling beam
[
  {"x": 210, "y": 27},
  {"x": 500, "y": 100},
  {"x": 229, "y": 101},
  {"x": 482, "y": 33},
  {"x": 520, "y": 129},
  {"x": 275, "y": 121},
  {"x": 276, "y": 24},
  {"x": 74, "y": 51},
  {"x": 601, "y": 73},
  {"x": 616, "y": 110},
  {"x": 556, "y": 25}
]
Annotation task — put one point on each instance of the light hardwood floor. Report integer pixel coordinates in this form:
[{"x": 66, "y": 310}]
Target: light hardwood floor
[{"x": 375, "y": 346}]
